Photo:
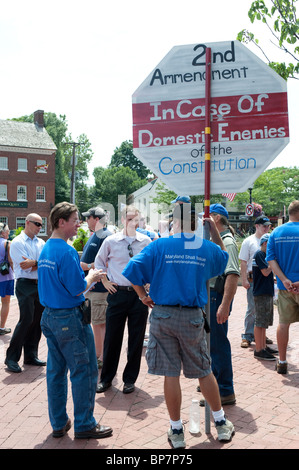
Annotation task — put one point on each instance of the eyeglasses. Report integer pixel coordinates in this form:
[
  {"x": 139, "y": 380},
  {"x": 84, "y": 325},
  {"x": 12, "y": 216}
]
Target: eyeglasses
[
  {"x": 131, "y": 254},
  {"x": 38, "y": 224}
]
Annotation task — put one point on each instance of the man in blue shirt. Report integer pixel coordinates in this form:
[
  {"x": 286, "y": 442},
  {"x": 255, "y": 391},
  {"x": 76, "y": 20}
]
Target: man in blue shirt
[
  {"x": 283, "y": 256},
  {"x": 221, "y": 299},
  {"x": 65, "y": 324},
  {"x": 177, "y": 269}
]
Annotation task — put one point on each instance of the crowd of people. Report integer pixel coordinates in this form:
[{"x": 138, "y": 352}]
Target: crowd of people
[{"x": 82, "y": 305}]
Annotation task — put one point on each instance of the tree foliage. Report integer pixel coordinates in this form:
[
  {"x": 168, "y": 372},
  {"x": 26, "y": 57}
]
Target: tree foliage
[
  {"x": 280, "y": 17},
  {"x": 273, "y": 190},
  {"x": 164, "y": 196},
  {"x": 123, "y": 156},
  {"x": 113, "y": 182}
]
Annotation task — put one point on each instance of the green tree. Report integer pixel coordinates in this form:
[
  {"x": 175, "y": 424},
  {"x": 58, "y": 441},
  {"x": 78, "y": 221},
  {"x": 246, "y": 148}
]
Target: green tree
[
  {"x": 274, "y": 189},
  {"x": 123, "y": 156},
  {"x": 113, "y": 182},
  {"x": 280, "y": 18},
  {"x": 164, "y": 196}
]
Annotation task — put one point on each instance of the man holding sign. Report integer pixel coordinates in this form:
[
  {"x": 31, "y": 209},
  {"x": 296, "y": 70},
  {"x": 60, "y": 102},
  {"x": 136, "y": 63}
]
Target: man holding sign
[{"x": 177, "y": 269}]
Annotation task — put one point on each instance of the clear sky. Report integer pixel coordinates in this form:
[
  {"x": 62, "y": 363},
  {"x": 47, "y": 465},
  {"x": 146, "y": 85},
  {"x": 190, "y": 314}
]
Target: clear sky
[{"x": 85, "y": 59}]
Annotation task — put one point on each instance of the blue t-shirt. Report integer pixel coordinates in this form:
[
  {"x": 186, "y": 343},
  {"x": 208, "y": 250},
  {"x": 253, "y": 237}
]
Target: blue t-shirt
[
  {"x": 60, "y": 276},
  {"x": 90, "y": 251},
  {"x": 283, "y": 247},
  {"x": 177, "y": 269},
  {"x": 262, "y": 285}
]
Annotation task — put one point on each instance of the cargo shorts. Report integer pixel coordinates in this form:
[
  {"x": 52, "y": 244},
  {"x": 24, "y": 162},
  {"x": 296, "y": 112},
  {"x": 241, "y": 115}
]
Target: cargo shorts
[
  {"x": 288, "y": 307},
  {"x": 263, "y": 311},
  {"x": 99, "y": 305},
  {"x": 177, "y": 340}
]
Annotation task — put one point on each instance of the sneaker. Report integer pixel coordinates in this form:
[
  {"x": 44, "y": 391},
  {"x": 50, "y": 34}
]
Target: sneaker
[
  {"x": 269, "y": 341},
  {"x": 264, "y": 355},
  {"x": 281, "y": 368},
  {"x": 271, "y": 350},
  {"x": 5, "y": 331},
  {"x": 225, "y": 430},
  {"x": 176, "y": 438},
  {"x": 245, "y": 343}
]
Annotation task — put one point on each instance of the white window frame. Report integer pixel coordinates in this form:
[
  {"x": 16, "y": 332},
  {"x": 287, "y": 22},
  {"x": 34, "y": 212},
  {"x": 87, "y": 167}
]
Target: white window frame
[
  {"x": 19, "y": 194},
  {"x": 43, "y": 230},
  {"x": 4, "y": 163},
  {"x": 3, "y": 192},
  {"x": 20, "y": 222},
  {"x": 4, "y": 220},
  {"x": 39, "y": 199},
  {"x": 22, "y": 164}
]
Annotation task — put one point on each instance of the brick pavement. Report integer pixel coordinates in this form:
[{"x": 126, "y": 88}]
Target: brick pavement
[{"x": 265, "y": 415}]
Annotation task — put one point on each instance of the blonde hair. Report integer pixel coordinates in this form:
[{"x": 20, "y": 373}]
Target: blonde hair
[{"x": 293, "y": 209}]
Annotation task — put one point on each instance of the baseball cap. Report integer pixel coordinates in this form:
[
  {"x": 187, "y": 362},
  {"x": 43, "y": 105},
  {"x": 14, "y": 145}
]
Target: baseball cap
[
  {"x": 94, "y": 212},
  {"x": 218, "y": 209},
  {"x": 181, "y": 199},
  {"x": 264, "y": 238},
  {"x": 262, "y": 220}
]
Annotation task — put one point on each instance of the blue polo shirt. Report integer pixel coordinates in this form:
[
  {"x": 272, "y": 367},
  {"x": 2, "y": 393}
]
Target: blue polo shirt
[
  {"x": 60, "y": 276},
  {"x": 177, "y": 269}
]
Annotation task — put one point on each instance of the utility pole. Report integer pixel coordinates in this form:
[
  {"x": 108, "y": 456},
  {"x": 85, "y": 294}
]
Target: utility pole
[{"x": 73, "y": 175}]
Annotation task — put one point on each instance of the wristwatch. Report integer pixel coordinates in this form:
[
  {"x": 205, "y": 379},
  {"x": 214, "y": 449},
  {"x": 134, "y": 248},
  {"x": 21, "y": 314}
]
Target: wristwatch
[{"x": 89, "y": 266}]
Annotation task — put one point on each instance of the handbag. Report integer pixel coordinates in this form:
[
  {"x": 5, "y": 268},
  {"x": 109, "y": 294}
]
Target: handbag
[{"x": 4, "y": 266}]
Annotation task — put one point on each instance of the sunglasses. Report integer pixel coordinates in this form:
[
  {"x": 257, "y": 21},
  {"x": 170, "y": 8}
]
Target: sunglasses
[
  {"x": 38, "y": 224},
  {"x": 131, "y": 254}
]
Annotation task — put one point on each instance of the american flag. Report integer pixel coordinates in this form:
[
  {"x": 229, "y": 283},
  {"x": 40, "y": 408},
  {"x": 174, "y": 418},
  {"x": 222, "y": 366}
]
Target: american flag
[
  {"x": 230, "y": 196},
  {"x": 44, "y": 167}
]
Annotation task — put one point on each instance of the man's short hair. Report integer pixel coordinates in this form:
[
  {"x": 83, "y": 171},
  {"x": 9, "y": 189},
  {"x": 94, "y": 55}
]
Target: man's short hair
[
  {"x": 129, "y": 208},
  {"x": 62, "y": 210},
  {"x": 293, "y": 208}
]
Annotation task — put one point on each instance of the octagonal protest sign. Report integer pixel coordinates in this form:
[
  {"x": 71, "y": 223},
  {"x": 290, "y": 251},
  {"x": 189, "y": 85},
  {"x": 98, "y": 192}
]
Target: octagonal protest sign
[{"x": 248, "y": 112}]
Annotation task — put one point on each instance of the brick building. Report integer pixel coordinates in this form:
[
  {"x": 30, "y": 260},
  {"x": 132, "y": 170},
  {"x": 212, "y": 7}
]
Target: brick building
[{"x": 27, "y": 172}]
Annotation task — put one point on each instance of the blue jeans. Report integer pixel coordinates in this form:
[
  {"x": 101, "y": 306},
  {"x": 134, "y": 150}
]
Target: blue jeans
[
  {"x": 220, "y": 349},
  {"x": 249, "y": 316},
  {"x": 70, "y": 347}
]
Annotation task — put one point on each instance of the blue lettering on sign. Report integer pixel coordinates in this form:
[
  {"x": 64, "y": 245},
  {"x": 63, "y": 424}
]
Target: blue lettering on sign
[{"x": 168, "y": 167}]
